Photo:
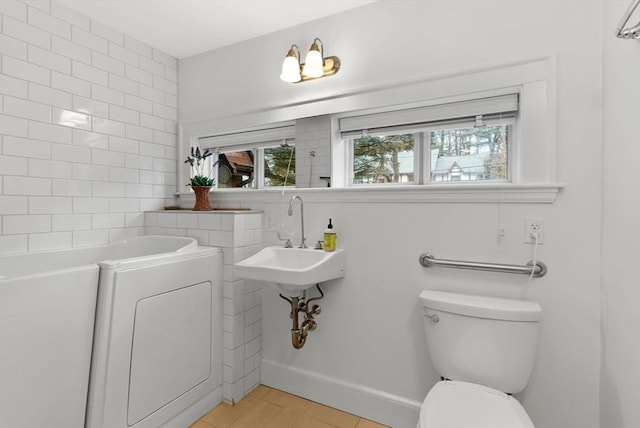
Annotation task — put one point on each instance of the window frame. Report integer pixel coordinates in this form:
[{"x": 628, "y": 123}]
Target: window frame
[
  {"x": 254, "y": 140},
  {"x": 511, "y": 147},
  {"x": 417, "y": 155},
  {"x": 422, "y": 144}
]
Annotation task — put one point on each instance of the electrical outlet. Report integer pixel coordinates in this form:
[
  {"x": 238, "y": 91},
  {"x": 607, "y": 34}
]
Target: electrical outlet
[
  {"x": 531, "y": 227},
  {"x": 270, "y": 223}
]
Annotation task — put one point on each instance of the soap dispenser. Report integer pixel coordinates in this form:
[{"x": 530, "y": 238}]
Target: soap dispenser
[{"x": 329, "y": 238}]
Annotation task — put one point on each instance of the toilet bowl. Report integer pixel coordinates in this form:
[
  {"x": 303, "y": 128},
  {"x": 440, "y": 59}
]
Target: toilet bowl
[
  {"x": 455, "y": 404},
  {"x": 486, "y": 347}
]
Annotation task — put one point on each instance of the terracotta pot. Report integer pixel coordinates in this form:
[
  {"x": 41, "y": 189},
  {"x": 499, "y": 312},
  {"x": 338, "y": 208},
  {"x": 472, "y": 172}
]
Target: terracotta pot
[{"x": 202, "y": 198}]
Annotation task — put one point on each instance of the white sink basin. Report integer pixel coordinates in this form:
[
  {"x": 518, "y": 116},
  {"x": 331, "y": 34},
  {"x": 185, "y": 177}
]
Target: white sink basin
[{"x": 293, "y": 269}]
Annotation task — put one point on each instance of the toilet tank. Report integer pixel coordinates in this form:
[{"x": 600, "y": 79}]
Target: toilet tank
[{"x": 485, "y": 340}]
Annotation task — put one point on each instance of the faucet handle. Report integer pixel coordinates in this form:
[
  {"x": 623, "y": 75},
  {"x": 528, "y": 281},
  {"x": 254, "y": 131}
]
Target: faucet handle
[
  {"x": 287, "y": 241},
  {"x": 319, "y": 245}
]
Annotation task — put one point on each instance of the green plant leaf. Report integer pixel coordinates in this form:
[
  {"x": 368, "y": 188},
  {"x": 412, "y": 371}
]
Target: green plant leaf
[{"x": 201, "y": 180}]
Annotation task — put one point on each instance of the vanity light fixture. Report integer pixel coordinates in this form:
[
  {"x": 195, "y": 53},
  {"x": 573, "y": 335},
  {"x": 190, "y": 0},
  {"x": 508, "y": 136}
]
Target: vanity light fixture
[{"x": 314, "y": 67}]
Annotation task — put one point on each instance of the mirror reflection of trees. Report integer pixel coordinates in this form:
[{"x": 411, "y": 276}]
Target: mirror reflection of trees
[{"x": 280, "y": 166}]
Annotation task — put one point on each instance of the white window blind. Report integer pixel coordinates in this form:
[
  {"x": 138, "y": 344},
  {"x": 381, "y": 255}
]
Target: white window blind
[
  {"x": 390, "y": 121},
  {"x": 249, "y": 140}
]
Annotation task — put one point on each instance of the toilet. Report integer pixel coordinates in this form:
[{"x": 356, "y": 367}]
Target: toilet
[{"x": 484, "y": 349}]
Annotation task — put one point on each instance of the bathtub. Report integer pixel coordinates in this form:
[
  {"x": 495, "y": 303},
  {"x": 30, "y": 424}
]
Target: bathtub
[
  {"x": 46, "y": 330},
  {"x": 124, "y": 335}
]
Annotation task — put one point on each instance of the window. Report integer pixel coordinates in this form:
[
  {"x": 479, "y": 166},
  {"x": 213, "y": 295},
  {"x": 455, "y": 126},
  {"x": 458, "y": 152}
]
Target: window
[
  {"x": 280, "y": 166},
  {"x": 469, "y": 154},
  {"x": 254, "y": 159},
  {"x": 383, "y": 159},
  {"x": 236, "y": 169},
  {"x": 467, "y": 141}
]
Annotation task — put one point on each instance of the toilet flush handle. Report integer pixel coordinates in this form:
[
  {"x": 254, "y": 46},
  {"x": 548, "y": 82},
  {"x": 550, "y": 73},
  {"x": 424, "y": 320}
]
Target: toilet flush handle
[{"x": 434, "y": 317}]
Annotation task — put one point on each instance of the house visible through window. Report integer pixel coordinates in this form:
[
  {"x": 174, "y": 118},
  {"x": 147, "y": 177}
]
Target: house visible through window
[
  {"x": 254, "y": 159},
  {"x": 465, "y": 141},
  {"x": 469, "y": 154},
  {"x": 236, "y": 169}
]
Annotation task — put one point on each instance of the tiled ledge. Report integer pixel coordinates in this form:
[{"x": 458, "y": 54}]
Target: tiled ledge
[
  {"x": 218, "y": 228},
  {"x": 239, "y": 234}
]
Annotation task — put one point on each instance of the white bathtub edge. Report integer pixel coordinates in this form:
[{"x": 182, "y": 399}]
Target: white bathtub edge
[{"x": 132, "y": 262}]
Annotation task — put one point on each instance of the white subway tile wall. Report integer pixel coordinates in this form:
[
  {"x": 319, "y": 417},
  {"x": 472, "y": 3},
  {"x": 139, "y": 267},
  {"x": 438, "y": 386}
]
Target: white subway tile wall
[
  {"x": 313, "y": 159},
  {"x": 239, "y": 234},
  {"x": 87, "y": 129}
]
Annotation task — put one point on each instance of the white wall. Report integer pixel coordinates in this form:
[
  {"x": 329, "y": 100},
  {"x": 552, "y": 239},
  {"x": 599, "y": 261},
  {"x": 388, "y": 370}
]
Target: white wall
[
  {"x": 370, "y": 334},
  {"x": 88, "y": 184},
  {"x": 620, "y": 374}
]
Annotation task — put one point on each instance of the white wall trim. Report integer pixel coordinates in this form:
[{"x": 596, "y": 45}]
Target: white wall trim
[
  {"x": 433, "y": 193},
  {"x": 369, "y": 403}
]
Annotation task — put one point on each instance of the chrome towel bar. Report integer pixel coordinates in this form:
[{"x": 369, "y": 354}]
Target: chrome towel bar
[{"x": 540, "y": 269}]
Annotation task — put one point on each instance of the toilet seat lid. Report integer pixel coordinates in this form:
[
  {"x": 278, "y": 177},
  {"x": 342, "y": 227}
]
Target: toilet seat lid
[{"x": 454, "y": 404}]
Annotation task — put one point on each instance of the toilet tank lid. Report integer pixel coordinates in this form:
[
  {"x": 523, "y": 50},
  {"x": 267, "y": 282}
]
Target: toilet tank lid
[{"x": 482, "y": 306}]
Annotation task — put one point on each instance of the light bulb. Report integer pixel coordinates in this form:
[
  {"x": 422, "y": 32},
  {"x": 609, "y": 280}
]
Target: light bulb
[
  {"x": 291, "y": 67},
  {"x": 313, "y": 64}
]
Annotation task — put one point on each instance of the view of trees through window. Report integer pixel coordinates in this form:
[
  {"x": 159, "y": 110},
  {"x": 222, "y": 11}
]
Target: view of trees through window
[
  {"x": 472, "y": 153},
  {"x": 384, "y": 159},
  {"x": 460, "y": 154},
  {"x": 277, "y": 162}
]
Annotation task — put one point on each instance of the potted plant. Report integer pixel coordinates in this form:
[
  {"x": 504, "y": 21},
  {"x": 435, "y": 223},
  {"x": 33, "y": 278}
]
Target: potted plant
[{"x": 201, "y": 181}]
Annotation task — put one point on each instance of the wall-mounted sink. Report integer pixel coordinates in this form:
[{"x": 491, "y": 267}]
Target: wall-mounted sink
[{"x": 293, "y": 269}]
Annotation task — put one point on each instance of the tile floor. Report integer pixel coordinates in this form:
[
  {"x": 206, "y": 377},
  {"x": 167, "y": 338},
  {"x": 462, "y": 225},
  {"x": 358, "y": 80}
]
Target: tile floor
[{"x": 266, "y": 407}]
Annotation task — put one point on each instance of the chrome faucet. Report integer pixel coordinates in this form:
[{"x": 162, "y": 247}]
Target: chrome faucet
[{"x": 293, "y": 198}]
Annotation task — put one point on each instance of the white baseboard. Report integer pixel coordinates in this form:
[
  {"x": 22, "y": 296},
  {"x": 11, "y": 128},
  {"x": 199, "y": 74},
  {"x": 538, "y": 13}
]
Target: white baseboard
[{"x": 369, "y": 403}]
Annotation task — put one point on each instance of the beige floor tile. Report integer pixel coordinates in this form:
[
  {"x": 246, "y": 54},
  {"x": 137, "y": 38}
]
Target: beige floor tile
[
  {"x": 308, "y": 422},
  {"x": 259, "y": 392},
  {"x": 285, "y": 417},
  {"x": 200, "y": 424},
  {"x": 224, "y": 414},
  {"x": 332, "y": 416},
  {"x": 284, "y": 399},
  {"x": 266, "y": 407},
  {"x": 365, "y": 423},
  {"x": 257, "y": 417}
]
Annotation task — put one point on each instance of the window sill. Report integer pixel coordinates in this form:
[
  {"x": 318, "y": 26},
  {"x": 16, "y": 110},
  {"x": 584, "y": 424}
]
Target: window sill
[{"x": 433, "y": 193}]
